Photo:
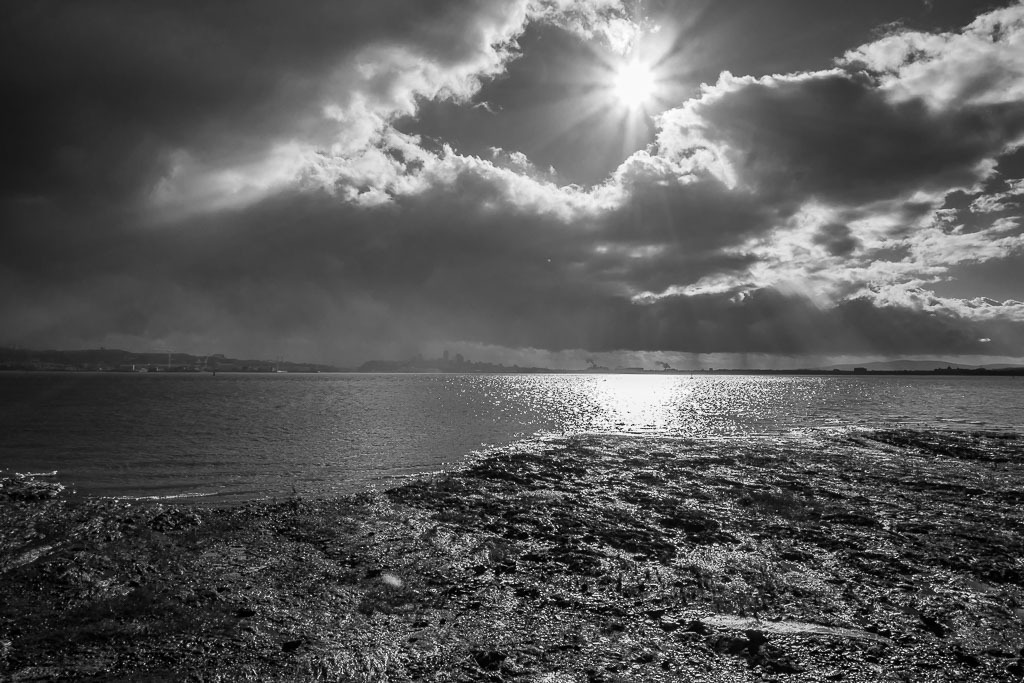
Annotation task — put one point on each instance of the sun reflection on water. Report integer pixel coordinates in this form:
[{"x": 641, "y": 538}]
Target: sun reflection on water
[
  {"x": 638, "y": 403},
  {"x": 672, "y": 405}
]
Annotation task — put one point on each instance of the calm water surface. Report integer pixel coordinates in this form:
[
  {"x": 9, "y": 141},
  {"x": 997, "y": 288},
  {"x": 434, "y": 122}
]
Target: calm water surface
[{"x": 235, "y": 436}]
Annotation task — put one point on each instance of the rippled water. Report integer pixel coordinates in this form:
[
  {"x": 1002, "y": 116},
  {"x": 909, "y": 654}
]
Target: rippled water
[{"x": 239, "y": 436}]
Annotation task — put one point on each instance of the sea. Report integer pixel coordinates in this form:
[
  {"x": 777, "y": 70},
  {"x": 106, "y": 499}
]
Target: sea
[{"x": 228, "y": 438}]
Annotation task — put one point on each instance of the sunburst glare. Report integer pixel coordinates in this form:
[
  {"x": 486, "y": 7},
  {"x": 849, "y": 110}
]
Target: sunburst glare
[
  {"x": 634, "y": 84},
  {"x": 610, "y": 93}
]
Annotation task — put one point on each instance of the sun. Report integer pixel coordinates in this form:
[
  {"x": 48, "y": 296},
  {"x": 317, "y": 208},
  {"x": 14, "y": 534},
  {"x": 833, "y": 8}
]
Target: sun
[{"x": 634, "y": 84}]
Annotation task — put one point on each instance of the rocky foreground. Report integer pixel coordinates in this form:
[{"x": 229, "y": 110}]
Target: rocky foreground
[{"x": 886, "y": 556}]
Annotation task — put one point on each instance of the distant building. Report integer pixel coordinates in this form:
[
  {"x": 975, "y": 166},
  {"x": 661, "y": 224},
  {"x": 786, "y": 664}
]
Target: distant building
[{"x": 860, "y": 371}]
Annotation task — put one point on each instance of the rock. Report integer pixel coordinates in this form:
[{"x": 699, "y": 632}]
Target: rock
[
  {"x": 697, "y": 626},
  {"x": 690, "y": 521},
  {"x": 753, "y": 645},
  {"x": 616, "y": 625},
  {"x": 669, "y": 626},
  {"x": 795, "y": 555},
  {"x": 528, "y": 592},
  {"x": 22, "y": 487},
  {"x": 932, "y": 625},
  {"x": 756, "y": 638},
  {"x": 968, "y": 658},
  {"x": 775, "y": 660},
  {"x": 505, "y": 568},
  {"x": 561, "y": 601},
  {"x": 730, "y": 644},
  {"x": 851, "y": 519},
  {"x": 489, "y": 660},
  {"x": 175, "y": 520}
]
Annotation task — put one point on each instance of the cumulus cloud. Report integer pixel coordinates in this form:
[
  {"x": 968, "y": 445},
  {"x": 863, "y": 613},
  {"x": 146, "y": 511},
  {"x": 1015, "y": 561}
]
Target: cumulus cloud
[
  {"x": 982, "y": 65},
  {"x": 996, "y": 202},
  {"x": 857, "y": 160},
  {"x": 836, "y": 137}
]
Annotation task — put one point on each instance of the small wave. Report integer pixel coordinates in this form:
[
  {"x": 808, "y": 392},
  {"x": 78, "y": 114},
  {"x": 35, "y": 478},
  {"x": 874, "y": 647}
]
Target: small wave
[
  {"x": 170, "y": 496},
  {"x": 38, "y": 474},
  {"x": 410, "y": 476}
]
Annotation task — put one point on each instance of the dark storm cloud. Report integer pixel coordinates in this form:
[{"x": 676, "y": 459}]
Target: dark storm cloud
[
  {"x": 694, "y": 245},
  {"x": 768, "y": 321},
  {"x": 100, "y": 93},
  {"x": 837, "y": 239},
  {"x": 838, "y": 137},
  {"x": 330, "y": 277}
]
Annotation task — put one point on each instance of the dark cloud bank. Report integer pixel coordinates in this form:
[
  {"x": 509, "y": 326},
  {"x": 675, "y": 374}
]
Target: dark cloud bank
[{"x": 228, "y": 179}]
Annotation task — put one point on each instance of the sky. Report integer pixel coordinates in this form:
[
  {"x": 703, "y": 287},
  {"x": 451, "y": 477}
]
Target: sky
[{"x": 780, "y": 183}]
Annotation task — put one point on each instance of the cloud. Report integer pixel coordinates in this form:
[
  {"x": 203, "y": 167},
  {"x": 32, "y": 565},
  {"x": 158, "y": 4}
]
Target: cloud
[
  {"x": 837, "y": 239},
  {"x": 115, "y": 100},
  {"x": 836, "y": 137},
  {"x": 983, "y": 65},
  {"x": 222, "y": 185},
  {"x": 859, "y": 164},
  {"x": 1000, "y": 201}
]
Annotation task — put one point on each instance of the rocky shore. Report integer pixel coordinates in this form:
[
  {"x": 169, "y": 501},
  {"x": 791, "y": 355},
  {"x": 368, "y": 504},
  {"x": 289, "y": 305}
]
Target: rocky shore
[{"x": 872, "y": 556}]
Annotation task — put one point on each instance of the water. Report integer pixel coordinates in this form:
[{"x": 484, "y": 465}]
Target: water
[{"x": 237, "y": 436}]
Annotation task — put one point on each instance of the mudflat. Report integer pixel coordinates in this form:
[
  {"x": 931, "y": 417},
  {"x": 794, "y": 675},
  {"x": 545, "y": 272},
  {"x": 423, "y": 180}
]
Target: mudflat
[{"x": 866, "y": 556}]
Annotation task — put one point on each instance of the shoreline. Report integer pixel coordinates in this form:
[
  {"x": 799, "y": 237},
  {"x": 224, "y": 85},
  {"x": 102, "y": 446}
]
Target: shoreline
[
  {"x": 798, "y": 437},
  {"x": 871, "y": 556}
]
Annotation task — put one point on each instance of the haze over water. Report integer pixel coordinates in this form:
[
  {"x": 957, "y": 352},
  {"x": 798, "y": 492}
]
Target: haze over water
[{"x": 234, "y": 437}]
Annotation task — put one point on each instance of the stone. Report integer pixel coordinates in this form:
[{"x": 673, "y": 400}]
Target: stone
[{"x": 489, "y": 660}]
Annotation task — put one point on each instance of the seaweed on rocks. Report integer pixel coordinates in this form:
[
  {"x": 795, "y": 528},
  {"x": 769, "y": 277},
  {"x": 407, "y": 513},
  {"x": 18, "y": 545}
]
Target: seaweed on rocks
[{"x": 886, "y": 556}]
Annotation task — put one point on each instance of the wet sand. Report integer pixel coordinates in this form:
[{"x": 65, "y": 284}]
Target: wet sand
[{"x": 859, "y": 557}]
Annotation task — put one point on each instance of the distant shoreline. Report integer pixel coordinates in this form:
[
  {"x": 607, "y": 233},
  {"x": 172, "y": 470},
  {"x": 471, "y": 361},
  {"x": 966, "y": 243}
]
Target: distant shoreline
[
  {"x": 167, "y": 362},
  {"x": 943, "y": 372}
]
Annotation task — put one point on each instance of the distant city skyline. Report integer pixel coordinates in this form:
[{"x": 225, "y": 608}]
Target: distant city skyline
[{"x": 695, "y": 183}]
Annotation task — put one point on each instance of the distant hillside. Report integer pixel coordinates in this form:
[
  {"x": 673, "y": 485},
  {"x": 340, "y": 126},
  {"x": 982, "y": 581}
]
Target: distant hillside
[
  {"x": 118, "y": 360},
  {"x": 919, "y": 366}
]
